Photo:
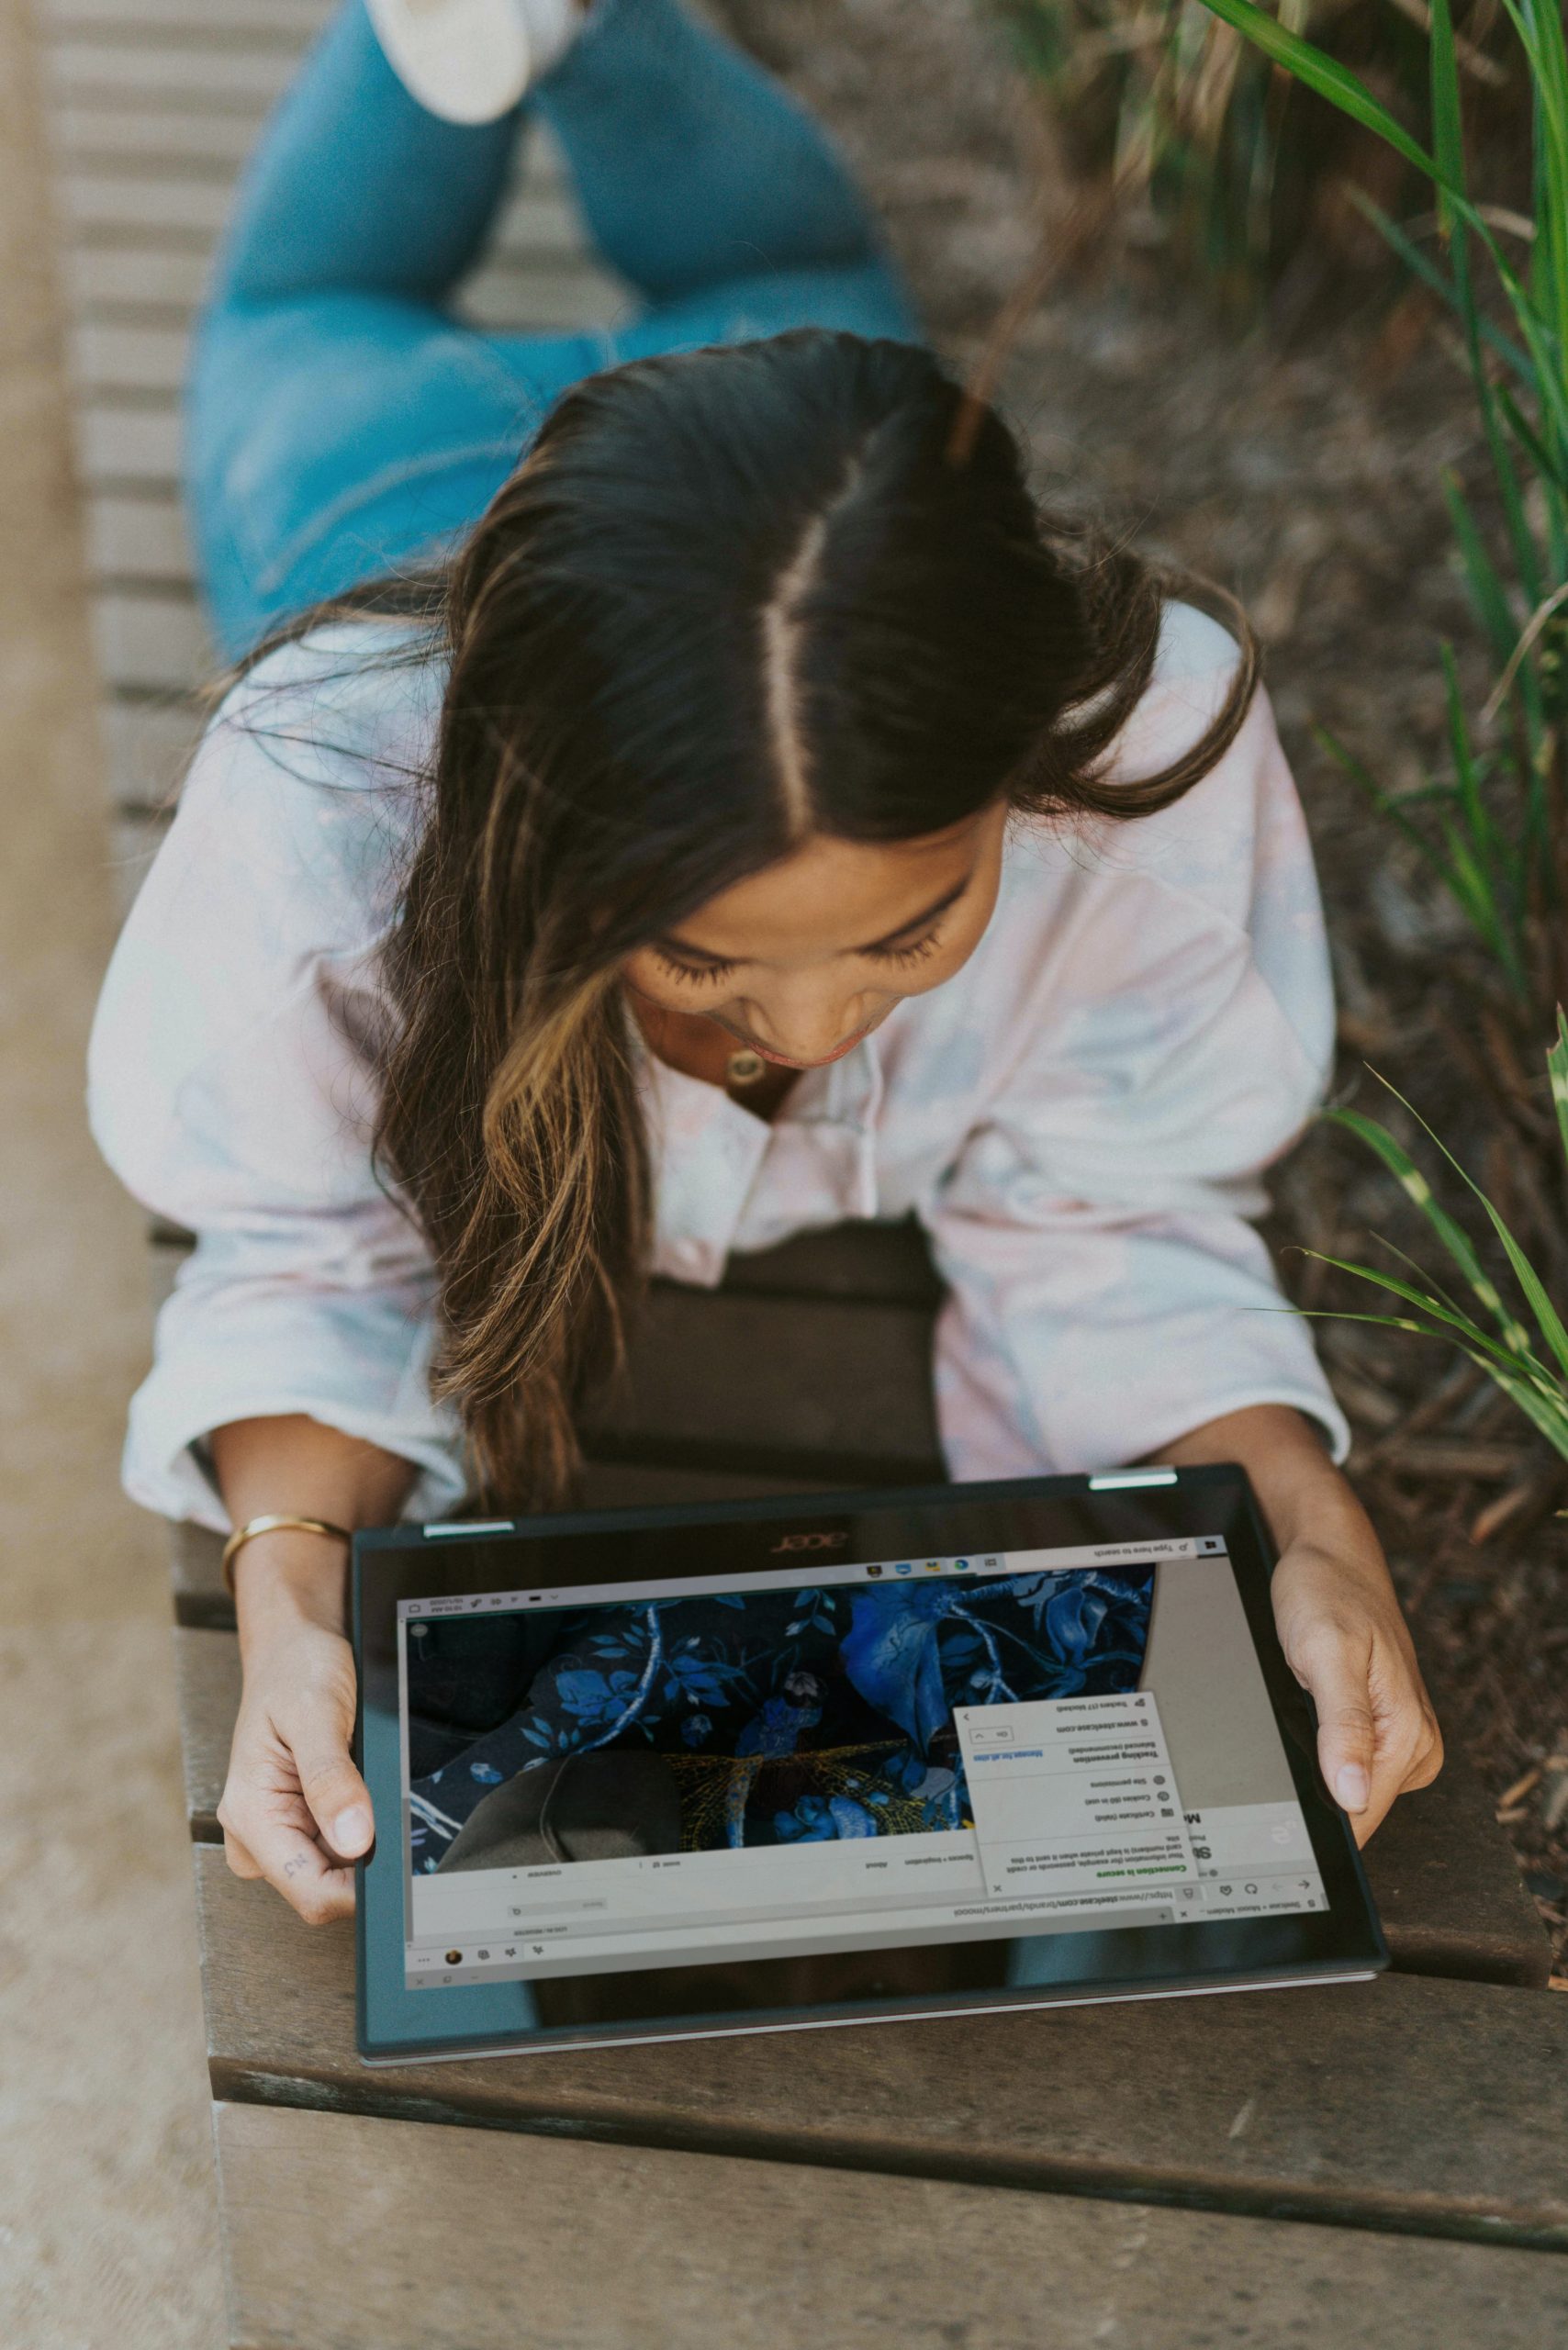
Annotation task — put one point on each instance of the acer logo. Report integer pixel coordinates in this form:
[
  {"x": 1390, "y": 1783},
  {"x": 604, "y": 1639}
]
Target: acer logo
[{"x": 812, "y": 1542}]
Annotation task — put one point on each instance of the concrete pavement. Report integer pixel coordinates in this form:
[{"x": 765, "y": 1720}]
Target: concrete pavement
[{"x": 106, "y": 2231}]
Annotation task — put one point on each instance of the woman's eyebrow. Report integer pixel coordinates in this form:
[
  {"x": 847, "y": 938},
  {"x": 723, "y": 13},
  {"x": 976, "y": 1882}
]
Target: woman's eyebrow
[{"x": 890, "y": 938}]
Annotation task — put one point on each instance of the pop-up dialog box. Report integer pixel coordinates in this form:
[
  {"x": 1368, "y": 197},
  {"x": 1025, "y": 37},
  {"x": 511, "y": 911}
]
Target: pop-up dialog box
[{"x": 1074, "y": 1795}]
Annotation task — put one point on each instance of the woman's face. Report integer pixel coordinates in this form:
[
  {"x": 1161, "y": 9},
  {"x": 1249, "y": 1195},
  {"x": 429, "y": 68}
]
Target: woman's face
[{"x": 803, "y": 959}]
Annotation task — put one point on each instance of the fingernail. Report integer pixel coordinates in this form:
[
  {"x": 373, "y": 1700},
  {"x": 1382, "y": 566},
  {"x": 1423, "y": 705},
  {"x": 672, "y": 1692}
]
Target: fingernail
[
  {"x": 1352, "y": 1788},
  {"x": 351, "y": 1830}
]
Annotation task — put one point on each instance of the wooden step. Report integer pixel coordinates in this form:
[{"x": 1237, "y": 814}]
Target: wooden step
[
  {"x": 381, "y": 2235},
  {"x": 1434, "y": 2107},
  {"x": 1452, "y": 1900}
]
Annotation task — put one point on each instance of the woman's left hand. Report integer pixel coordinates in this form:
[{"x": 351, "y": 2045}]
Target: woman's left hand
[
  {"x": 1339, "y": 1617},
  {"x": 1345, "y": 1639}
]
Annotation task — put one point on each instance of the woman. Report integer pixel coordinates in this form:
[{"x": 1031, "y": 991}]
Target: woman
[{"x": 752, "y": 813}]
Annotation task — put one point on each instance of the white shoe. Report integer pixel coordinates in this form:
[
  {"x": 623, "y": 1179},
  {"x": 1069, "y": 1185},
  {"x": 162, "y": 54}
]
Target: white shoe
[{"x": 471, "y": 61}]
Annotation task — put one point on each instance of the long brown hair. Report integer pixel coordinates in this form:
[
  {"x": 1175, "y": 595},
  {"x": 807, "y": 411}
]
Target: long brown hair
[{"x": 729, "y": 598}]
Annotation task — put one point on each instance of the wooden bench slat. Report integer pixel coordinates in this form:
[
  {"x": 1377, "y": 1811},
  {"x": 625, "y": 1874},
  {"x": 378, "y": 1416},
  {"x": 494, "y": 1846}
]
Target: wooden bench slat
[
  {"x": 136, "y": 282},
  {"x": 140, "y": 285},
  {"x": 1452, "y": 1900},
  {"x": 190, "y": 209},
  {"x": 469, "y": 2240},
  {"x": 149, "y": 746},
  {"x": 110, "y": 131},
  {"x": 118, "y": 442},
  {"x": 134, "y": 836},
  {"x": 885, "y": 1263},
  {"x": 156, "y": 643},
  {"x": 109, "y": 134},
  {"x": 288, "y": 22},
  {"x": 139, "y": 539},
  {"x": 521, "y": 294},
  {"x": 811, "y": 1387},
  {"x": 140, "y": 543},
  {"x": 1431, "y": 2106},
  {"x": 129, "y": 358},
  {"x": 163, "y": 76}
]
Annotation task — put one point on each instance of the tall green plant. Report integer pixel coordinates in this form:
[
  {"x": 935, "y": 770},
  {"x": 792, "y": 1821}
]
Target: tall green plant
[
  {"x": 1162, "y": 100},
  {"x": 1494, "y": 828},
  {"x": 1530, "y": 1367}
]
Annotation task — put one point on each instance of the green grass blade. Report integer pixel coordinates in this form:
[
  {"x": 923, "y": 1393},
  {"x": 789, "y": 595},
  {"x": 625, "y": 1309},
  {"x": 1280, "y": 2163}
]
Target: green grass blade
[
  {"x": 1456, "y": 1324},
  {"x": 1545, "y": 330},
  {"x": 1487, "y": 592},
  {"x": 1557, "y": 1064},
  {"x": 1548, "y": 1320},
  {"x": 1324, "y": 74},
  {"x": 1550, "y": 1414},
  {"x": 1422, "y": 266},
  {"x": 1546, "y": 462},
  {"x": 1454, "y": 1237}
]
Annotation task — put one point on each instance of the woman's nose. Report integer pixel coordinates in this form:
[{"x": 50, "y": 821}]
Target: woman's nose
[{"x": 808, "y": 1027}]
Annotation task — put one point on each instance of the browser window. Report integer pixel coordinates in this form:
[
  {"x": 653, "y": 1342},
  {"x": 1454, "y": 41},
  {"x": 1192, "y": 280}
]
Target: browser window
[{"x": 825, "y": 1757}]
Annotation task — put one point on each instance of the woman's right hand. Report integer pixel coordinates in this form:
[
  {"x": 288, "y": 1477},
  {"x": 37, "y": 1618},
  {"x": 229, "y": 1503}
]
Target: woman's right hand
[{"x": 294, "y": 1810}]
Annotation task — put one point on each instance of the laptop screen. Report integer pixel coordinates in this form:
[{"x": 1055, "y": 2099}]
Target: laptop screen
[{"x": 817, "y": 1758}]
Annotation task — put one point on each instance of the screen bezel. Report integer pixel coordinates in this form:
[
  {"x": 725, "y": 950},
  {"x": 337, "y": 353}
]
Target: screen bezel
[{"x": 633, "y": 1547}]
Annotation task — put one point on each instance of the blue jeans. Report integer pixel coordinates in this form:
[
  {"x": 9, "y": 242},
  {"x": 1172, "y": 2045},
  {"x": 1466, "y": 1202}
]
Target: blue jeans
[{"x": 341, "y": 425}]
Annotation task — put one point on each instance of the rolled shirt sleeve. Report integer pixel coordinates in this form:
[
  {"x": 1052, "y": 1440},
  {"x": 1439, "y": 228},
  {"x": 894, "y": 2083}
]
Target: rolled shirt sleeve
[
  {"x": 230, "y": 1088},
  {"x": 1107, "y": 1291}
]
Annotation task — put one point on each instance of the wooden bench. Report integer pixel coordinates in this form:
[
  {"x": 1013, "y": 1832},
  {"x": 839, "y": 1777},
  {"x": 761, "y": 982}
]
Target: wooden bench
[
  {"x": 1379, "y": 2164},
  {"x": 1418, "y": 2121}
]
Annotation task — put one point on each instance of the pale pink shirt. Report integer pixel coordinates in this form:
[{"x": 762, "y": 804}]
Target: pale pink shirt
[{"x": 1080, "y": 1118}]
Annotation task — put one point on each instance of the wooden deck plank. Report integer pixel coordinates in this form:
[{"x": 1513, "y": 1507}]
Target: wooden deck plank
[
  {"x": 151, "y": 642},
  {"x": 165, "y": 77},
  {"x": 141, "y": 283},
  {"x": 886, "y": 1263},
  {"x": 1452, "y": 1900},
  {"x": 288, "y": 23},
  {"x": 108, "y": 135},
  {"x": 526, "y": 287},
  {"x": 134, "y": 836},
  {"x": 149, "y": 746},
  {"x": 121, "y": 444},
  {"x": 464, "y": 2240},
  {"x": 838, "y": 1390},
  {"x": 187, "y": 209},
  {"x": 141, "y": 539},
  {"x": 519, "y": 295},
  {"x": 218, "y": 143},
  {"x": 142, "y": 286},
  {"x": 1434, "y": 2107},
  {"x": 136, "y": 358}
]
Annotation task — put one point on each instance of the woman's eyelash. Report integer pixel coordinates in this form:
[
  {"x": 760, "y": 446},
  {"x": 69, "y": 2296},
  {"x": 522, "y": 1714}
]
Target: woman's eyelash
[
  {"x": 906, "y": 955},
  {"x": 691, "y": 970}
]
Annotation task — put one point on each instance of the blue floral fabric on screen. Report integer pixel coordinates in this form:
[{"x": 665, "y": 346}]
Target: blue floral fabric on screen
[{"x": 790, "y": 1716}]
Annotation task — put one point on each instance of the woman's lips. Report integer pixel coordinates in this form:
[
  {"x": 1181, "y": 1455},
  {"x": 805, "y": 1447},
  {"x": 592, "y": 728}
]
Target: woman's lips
[{"x": 782, "y": 1060}]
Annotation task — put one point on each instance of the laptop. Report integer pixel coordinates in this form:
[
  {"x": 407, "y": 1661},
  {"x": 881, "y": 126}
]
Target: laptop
[{"x": 835, "y": 1760}]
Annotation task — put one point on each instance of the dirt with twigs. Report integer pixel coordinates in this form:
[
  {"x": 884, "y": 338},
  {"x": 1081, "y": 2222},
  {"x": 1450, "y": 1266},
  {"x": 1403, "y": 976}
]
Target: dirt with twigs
[{"x": 1302, "y": 470}]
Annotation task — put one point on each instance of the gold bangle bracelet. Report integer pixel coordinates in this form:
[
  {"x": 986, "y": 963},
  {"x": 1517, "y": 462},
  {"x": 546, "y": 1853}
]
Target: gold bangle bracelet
[{"x": 276, "y": 1522}]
